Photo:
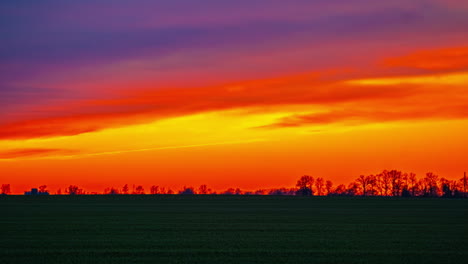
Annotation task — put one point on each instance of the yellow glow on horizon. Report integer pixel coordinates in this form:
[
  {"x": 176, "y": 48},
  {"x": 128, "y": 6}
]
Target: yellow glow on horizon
[{"x": 205, "y": 129}]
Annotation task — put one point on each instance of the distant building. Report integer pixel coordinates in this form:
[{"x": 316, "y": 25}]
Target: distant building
[{"x": 34, "y": 191}]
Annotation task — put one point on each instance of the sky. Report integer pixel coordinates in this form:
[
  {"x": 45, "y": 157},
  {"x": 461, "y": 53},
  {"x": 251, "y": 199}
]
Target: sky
[{"x": 249, "y": 93}]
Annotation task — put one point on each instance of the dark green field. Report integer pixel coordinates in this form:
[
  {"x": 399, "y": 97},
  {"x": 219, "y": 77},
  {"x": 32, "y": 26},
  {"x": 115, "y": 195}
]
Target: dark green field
[{"x": 231, "y": 229}]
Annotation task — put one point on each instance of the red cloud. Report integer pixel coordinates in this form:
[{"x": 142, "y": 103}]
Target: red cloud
[
  {"x": 452, "y": 59},
  {"x": 355, "y": 115},
  {"x": 362, "y": 102},
  {"x": 89, "y": 116}
]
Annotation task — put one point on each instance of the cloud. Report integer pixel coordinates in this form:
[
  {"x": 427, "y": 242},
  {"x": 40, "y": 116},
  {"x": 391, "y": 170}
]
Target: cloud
[
  {"x": 33, "y": 152},
  {"x": 362, "y": 100},
  {"x": 144, "y": 106},
  {"x": 355, "y": 116},
  {"x": 46, "y": 38},
  {"x": 116, "y": 37},
  {"x": 452, "y": 59}
]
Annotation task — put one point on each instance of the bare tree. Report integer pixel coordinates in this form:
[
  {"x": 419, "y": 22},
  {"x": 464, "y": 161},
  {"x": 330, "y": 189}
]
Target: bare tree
[
  {"x": 229, "y": 191},
  {"x": 5, "y": 189},
  {"x": 43, "y": 188},
  {"x": 125, "y": 189},
  {"x": 363, "y": 181},
  {"x": 370, "y": 185},
  {"x": 139, "y": 190},
  {"x": 329, "y": 186},
  {"x": 305, "y": 181},
  {"x": 464, "y": 183},
  {"x": 353, "y": 189},
  {"x": 305, "y": 184},
  {"x": 187, "y": 191},
  {"x": 154, "y": 189},
  {"x": 340, "y": 190},
  {"x": 260, "y": 192},
  {"x": 203, "y": 189},
  {"x": 385, "y": 182},
  {"x": 378, "y": 184},
  {"x": 445, "y": 186},
  {"x": 319, "y": 186},
  {"x": 397, "y": 182},
  {"x": 73, "y": 190},
  {"x": 111, "y": 191},
  {"x": 280, "y": 191},
  {"x": 412, "y": 183},
  {"x": 431, "y": 180}
]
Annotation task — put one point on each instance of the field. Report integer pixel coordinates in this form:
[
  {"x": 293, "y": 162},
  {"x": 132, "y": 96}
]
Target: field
[{"x": 232, "y": 229}]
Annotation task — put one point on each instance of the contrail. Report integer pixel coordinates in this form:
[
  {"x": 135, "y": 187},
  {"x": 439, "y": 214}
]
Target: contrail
[{"x": 84, "y": 155}]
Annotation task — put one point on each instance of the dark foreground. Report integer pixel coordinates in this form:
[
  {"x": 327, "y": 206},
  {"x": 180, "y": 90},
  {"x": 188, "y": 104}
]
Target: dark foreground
[{"x": 231, "y": 229}]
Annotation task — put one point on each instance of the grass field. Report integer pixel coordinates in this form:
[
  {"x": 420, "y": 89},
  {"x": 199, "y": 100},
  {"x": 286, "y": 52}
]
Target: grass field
[{"x": 232, "y": 229}]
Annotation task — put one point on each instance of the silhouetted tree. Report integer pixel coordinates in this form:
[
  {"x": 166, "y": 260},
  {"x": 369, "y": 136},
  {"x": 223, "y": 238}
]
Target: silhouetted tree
[
  {"x": 363, "y": 181},
  {"x": 139, "y": 190},
  {"x": 446, "y": 191},
  {"x": 329, "y": 186},
  {"x": 412, "y": 183},
  {"x": 111, "y": 191},
  {"x": 385, "y": 181},
  {"x": 405, "y": 192},
  {"x": 371, "y": 185},
  {"x": 282, "y": 191},
  {"x": 73, "y": 190},
  {"x": 5, "y": 189},
  {"x": 305, "y": 181},
  {"x": 353, "y": 189},
  {"x": 275, "y": 192},
  {"x": 154, "y": 189},
  {"x": 431, "y": 180},
  {"x": 320, "y": 186},
  {"x": 464, "y": 183},
  {"x": 203, "y": 189},
  {"x": 260, "y": 192},
  {"x": 304, "y": 192},
  {"x": 455, "y": 187},
  {"x": 340, "y": 190},
  {"x": 43, "y": 188},
  {"x": 305, "y": 184},
  {"x": 396, "y": 182},
  {"x": 125, "y": 189},
  {"x": 187, "y": 191},
  {"x": 230, "y": 191}
]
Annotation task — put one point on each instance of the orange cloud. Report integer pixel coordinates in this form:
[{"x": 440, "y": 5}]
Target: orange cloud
[
  {"x": 94, "y": 115},
  {"x": 356, "y": 117},
  {"x": 452, "y": 59},
  {"x": 359, "y": 98}
]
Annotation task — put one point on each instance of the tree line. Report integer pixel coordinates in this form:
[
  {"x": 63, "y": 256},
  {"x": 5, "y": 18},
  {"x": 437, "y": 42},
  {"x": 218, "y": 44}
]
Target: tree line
[{"x": 387, "y": 183}]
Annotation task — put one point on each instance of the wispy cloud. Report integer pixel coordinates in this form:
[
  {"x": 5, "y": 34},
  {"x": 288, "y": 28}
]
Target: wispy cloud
[
  {"x": 371, "y": 115},
  {"x": 451, "y": 59},
  {"x": 149, "y": 60},
  {"x": 34, "y": 153},
  {"x": 39, "y": 153}
]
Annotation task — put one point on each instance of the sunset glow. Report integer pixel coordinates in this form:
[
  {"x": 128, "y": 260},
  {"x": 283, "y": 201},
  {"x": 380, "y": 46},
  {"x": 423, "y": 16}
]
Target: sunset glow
[{"x": 249, "y": 94}]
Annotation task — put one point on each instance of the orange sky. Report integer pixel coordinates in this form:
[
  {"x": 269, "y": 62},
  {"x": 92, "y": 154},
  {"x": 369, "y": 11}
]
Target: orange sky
[{"x": 135, "y": 122}]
